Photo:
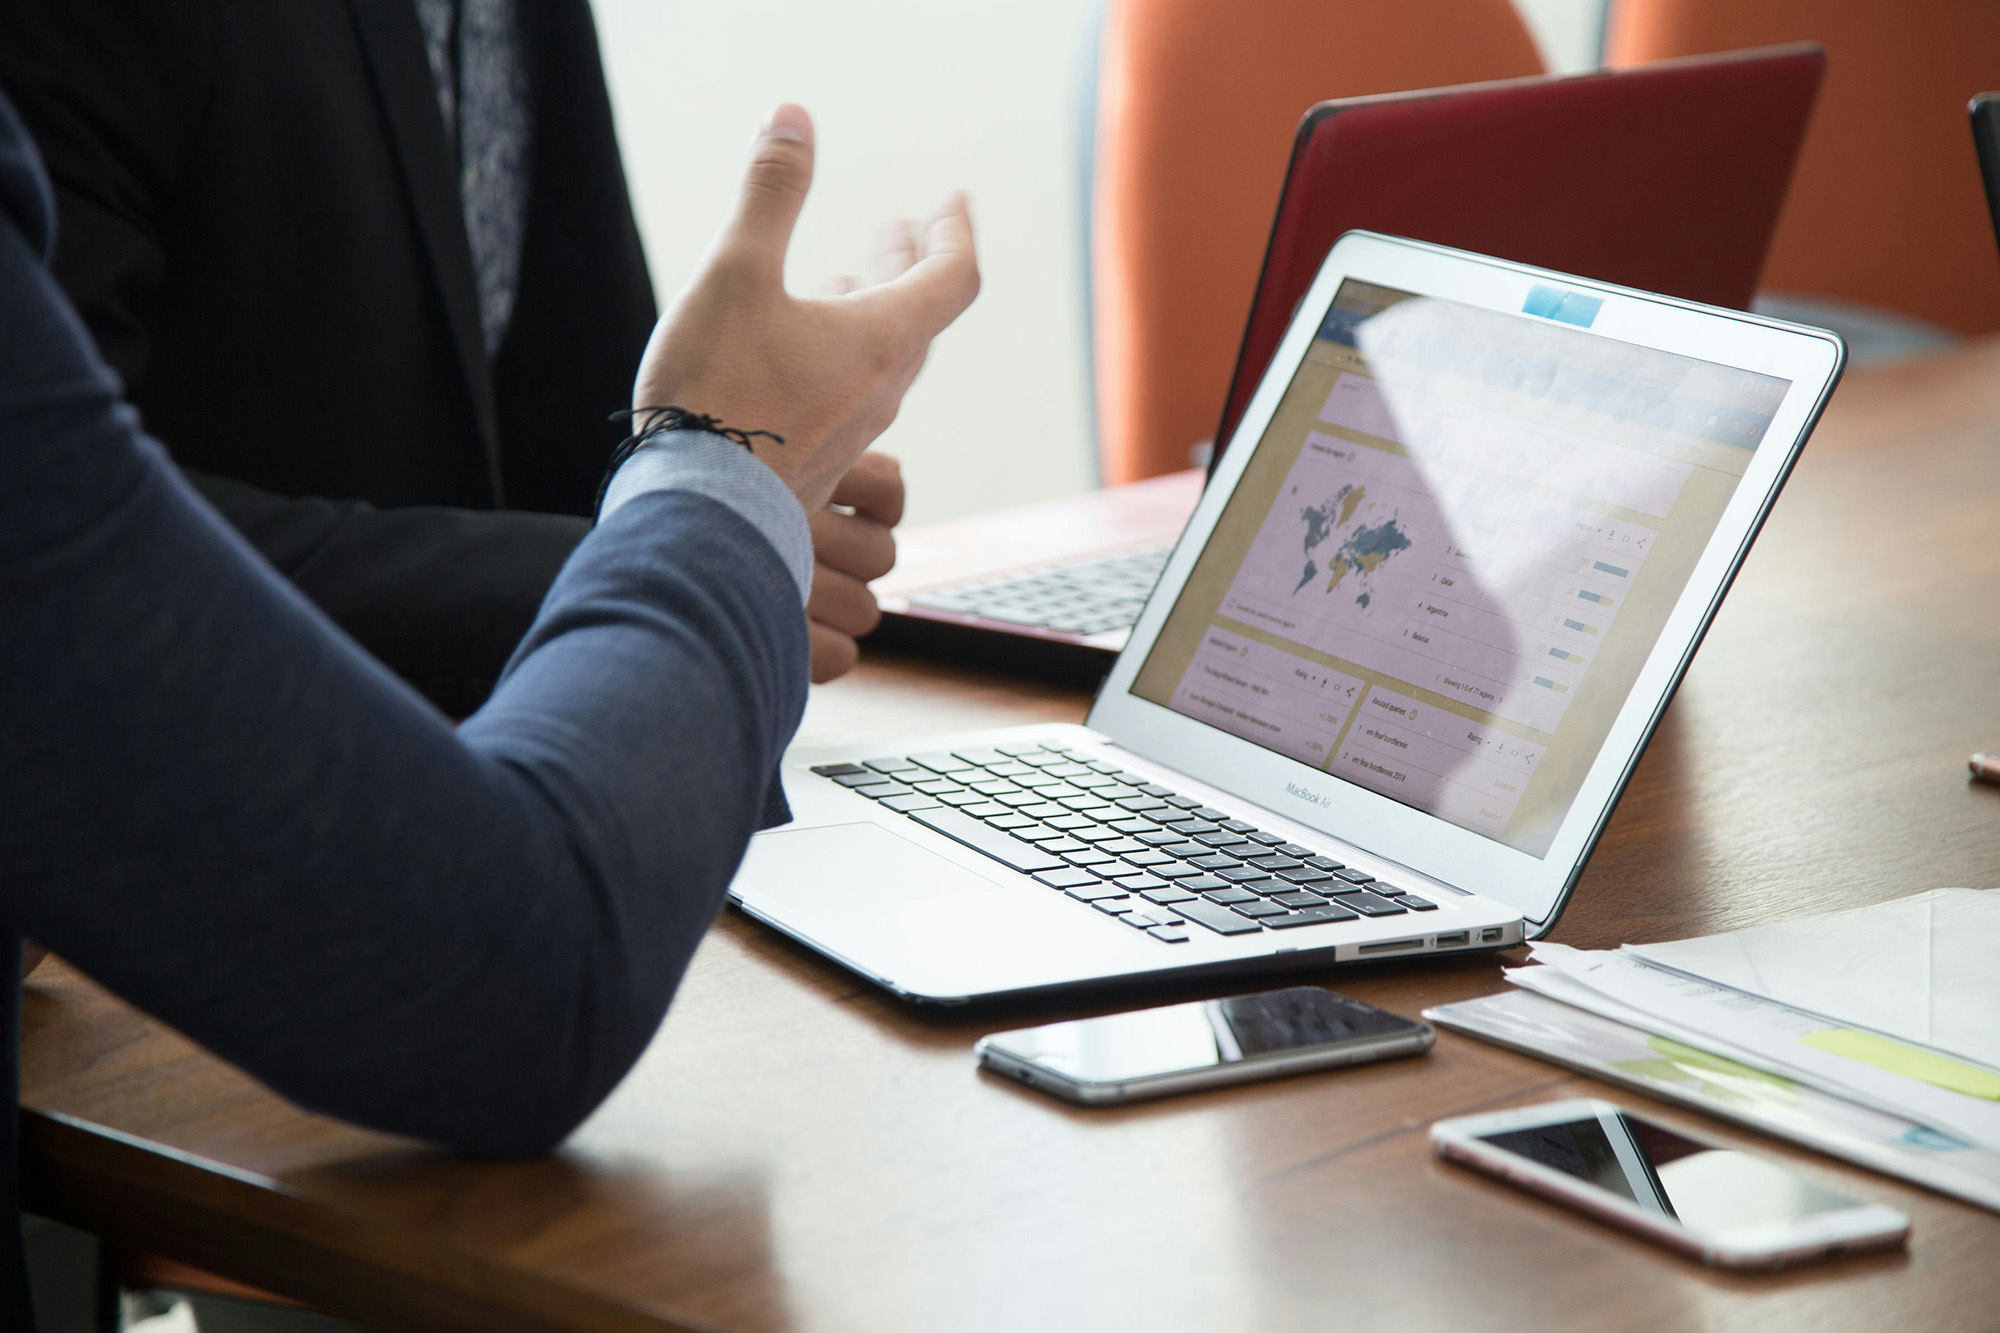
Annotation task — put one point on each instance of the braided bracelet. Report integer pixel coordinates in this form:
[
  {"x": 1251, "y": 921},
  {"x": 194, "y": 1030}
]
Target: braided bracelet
[{"x": 651, "y": 422}]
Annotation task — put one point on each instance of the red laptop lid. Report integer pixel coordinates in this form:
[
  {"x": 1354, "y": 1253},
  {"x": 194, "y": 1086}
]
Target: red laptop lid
[{"x": 1664, "y": 177}]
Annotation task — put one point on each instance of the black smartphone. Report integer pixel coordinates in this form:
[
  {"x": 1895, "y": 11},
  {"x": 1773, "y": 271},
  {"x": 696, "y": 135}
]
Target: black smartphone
[{"x": 1183, "y": 1047}]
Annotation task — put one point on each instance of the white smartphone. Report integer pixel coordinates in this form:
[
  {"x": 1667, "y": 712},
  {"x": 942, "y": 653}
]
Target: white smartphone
[
  {"x": 1723, "y": 1207},
  {"x": 1181, "y": 1047}
]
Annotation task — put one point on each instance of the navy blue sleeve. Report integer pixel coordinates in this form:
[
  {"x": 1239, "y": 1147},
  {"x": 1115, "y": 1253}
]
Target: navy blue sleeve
[{"x": 218, "y": 806}]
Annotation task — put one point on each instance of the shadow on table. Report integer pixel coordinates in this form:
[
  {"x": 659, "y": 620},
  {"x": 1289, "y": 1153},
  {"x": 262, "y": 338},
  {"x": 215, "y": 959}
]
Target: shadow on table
[{"x": 673, "y": 1242}]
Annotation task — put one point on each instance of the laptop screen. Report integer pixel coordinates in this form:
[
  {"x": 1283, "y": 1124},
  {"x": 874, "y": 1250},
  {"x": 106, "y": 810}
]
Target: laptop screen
[{"x": 1453, "y": 549}]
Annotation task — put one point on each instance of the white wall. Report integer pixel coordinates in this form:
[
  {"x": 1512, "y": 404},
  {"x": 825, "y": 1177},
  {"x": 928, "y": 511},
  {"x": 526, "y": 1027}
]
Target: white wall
[
  {"x": 912, "y": 97},
  {"x": 1569, "y": 32}
]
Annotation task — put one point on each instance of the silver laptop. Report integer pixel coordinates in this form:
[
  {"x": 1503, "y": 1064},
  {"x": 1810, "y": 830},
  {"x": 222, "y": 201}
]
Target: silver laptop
[{"x": 1394, "y": 675}]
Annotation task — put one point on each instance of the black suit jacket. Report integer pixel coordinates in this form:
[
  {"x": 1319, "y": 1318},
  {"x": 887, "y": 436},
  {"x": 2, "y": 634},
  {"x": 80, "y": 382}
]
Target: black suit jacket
[{"x": 258, "y": 216}]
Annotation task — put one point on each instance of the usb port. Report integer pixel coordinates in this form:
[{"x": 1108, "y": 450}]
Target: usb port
[
  {"x": 1457, "y": 939},
  {"x": 1491, "y": 935}
]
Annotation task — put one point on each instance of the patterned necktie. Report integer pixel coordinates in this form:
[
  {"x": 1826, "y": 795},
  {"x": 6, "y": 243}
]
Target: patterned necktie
[{"x": 474, "y": 51}]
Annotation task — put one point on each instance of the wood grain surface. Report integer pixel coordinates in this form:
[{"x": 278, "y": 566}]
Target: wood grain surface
[{"x": 798, "y": 1151}]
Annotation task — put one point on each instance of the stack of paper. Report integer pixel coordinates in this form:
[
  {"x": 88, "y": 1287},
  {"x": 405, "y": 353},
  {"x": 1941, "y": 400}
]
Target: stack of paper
[{"x": 1873, "y": 1034}]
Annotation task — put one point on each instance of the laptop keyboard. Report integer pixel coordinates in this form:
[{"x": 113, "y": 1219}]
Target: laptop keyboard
[
  {"x": 1120, "y": 843},
  {"x": 1086, "y": 598}
]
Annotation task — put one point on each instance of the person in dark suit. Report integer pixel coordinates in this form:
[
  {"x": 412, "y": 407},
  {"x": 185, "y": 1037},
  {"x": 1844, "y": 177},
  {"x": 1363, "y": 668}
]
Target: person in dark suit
[
  {"x": 221, "y": 809},
  {"x": 369, "y": 269}
]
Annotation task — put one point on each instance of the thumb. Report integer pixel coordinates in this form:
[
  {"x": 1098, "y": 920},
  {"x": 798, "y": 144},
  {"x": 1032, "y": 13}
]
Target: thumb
[{"x": 774, "y": 187}]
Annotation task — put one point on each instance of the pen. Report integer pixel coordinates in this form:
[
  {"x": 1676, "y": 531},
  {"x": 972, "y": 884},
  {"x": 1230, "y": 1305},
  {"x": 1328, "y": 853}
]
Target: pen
[{"x": 1986, "y": 766}]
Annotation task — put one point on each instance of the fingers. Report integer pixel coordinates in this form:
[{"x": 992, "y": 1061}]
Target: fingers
[
  {"x": 897, "y": 251},
  {"x": 833, "y": 653},
  {"x": 873, "y": 487},
  {"x": 936, "y": 289},
  {"x": 949, "y": 263},
  {"x": 849, "y": 544},
  {"x": 842, "y": 602},
  {"x": 840, "y": 610},
  {"x": 774, "y": 188}
]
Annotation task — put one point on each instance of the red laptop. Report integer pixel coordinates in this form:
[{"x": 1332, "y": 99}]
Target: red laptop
[{"x": 1666, "y": 177}]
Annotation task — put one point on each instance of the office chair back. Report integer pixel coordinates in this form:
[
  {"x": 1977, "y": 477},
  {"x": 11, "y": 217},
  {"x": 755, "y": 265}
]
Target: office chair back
[
  {"x": 1197, "y": 104},
  {"x": 1886, "y": 207}
]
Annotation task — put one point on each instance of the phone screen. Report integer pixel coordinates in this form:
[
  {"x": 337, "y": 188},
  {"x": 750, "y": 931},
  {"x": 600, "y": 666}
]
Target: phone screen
[
  {"x": 1705, "y": 1189},
  {"x": 1184, "y": 1037}
]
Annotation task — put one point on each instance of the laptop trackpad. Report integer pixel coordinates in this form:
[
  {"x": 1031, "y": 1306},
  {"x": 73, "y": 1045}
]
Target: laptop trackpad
[
  {"x": 914, "y": 919},
  {"x": 845, "y": 866}
]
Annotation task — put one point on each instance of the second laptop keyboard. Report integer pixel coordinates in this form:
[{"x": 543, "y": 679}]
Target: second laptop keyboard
[
  {"x": 1086, "y": 598},
  {"x": 1120, "y": 842}
]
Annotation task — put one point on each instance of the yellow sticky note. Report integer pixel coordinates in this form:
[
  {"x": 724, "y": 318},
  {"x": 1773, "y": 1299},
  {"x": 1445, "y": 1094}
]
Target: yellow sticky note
[{"x": 1925, "y": 1066}]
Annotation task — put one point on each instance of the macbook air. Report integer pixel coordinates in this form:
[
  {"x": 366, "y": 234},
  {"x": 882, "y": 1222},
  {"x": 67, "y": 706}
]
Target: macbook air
[
  {"x": 1666, "y": 177},
  {"x": 1392, "y": 679}
]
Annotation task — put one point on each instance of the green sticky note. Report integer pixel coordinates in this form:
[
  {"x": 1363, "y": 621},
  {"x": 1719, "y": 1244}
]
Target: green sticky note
[
  {"x": 1696, "y": 1060},
  {"x": 1717, "y": 1078},
  {"x": 1925, "y": 1066}
]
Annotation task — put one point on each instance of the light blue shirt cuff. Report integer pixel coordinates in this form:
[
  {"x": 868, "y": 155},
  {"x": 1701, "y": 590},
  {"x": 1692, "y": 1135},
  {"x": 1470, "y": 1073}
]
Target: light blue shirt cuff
[{"x": 690, "y": 460}]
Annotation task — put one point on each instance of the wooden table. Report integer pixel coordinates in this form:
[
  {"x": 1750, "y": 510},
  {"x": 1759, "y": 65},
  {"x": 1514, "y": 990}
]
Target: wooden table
[{"x": 798, "y": 1151}]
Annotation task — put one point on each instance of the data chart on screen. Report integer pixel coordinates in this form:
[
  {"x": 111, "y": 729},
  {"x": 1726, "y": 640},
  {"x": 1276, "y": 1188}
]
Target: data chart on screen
[{"x": 1452, "y": 550}]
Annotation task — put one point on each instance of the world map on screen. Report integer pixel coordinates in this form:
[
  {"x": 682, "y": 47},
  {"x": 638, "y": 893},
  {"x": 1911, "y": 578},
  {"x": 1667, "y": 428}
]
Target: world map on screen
[{"x": 1363, "y": 546}]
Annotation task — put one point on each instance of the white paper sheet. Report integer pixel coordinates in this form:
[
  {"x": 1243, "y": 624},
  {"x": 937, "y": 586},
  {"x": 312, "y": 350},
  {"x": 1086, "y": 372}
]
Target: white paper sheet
[
  {"x": 1767, "y": 1033},
  {"x": 1924, "y": 969},
  {"x": 1558, "y": 985}
]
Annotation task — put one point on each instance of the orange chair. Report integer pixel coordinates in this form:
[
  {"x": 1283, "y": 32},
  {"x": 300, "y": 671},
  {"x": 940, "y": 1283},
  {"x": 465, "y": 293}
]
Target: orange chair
[
  {"x": 1197, "y": 103},
  {"x": 1886, "y": 207}
]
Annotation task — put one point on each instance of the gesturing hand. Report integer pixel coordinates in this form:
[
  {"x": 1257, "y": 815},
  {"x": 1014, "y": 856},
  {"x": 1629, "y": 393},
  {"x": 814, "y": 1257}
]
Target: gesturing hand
[{"x": 828, "y": 372}]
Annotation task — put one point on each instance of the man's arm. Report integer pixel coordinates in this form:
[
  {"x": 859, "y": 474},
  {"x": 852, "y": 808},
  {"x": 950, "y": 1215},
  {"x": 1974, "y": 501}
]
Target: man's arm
[
  {"x": 217, "y": 805},
  {"x": 220, "y": 807}
]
